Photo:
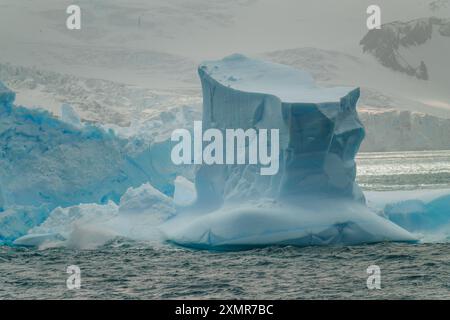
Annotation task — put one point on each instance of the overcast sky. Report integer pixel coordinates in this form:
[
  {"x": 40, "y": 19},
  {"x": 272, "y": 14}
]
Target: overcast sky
[{"x": 204, "y": 28}]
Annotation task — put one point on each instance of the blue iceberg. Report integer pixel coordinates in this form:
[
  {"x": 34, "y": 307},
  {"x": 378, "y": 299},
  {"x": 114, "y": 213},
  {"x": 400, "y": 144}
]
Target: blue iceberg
[
  {"x": 313, "y": 199},
  {"x": 320, "y": 132}
]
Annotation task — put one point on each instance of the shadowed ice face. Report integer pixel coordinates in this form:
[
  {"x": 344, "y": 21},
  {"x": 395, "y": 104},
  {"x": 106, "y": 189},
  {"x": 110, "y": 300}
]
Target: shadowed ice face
[{"x": 321, "y": 152}]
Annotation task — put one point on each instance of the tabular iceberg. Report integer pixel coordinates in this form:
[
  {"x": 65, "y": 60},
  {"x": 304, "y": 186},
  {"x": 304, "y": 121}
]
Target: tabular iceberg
[{"x": 313, "y": 199}]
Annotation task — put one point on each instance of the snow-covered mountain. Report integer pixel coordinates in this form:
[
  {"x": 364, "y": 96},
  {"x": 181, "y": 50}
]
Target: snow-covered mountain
[
  {"x": 136, "y": 61},
  {"x": 394, "y": 46}
]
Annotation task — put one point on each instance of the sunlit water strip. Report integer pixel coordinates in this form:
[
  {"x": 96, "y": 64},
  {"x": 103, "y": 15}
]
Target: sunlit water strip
[{"x": 404, "y": 170}]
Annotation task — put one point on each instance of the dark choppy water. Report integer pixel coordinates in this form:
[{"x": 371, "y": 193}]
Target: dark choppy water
[{"x": 126, "y": 269}]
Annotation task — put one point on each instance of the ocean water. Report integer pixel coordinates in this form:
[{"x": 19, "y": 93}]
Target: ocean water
[
  {"x": 124, "y": 269},
  {"x": 404, "y": 170}
]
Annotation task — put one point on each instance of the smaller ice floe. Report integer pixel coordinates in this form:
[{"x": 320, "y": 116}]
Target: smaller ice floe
[
  {"x": 423, "y": 211},
  {"x": 36, "y": 240},
  {"x": 66, "y": 225},
  {"x": 87, "y": 226}
]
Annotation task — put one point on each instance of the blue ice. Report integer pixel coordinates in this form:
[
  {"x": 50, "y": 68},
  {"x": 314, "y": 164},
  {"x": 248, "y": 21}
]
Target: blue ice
[
  {"x": 47, "y": 163},
  {"x": 313, "y": 199}
]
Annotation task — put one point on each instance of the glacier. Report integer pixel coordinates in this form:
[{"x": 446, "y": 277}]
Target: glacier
[
  {"x": 47, "y": 163},
  {"x": 65, "y": 182}
]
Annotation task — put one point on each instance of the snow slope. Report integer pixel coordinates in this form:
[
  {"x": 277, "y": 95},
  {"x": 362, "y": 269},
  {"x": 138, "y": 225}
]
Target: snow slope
[
  {"x": 158, "y": 44},
  {"x": 402, "y": 46}
]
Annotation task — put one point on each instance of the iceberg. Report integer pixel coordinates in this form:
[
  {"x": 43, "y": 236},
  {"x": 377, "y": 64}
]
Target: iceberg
[
  {"x": 319, "y": 130},
  {"x": 313, "y": 199},
  {"x": 7, "y": 97}
]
